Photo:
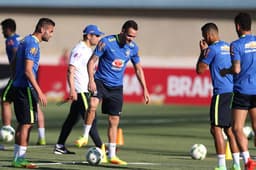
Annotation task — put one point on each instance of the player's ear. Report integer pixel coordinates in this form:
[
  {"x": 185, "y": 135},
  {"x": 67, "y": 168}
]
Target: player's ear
[{"x": 41, "y": 30}]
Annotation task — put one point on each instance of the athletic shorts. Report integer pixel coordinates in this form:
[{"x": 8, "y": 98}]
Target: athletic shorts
[
  {"x": 112, "y": 98},
  {"x": 25, "y": 105},
  {"x": 220, "y": 111},
  {"x": 243, "y": 101},
  {"x": 81, "y": 104},
  {"x": 8, "y": 94}
]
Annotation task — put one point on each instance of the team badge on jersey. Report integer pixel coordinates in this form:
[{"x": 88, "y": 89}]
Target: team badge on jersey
[
  {"x": 33, "y": 51},
  {"x": 117, "y": 64},
  {"x": 10, "y": 43},
  {"x": 127, "y": 53},
  {"x": 101, "y": 45}
]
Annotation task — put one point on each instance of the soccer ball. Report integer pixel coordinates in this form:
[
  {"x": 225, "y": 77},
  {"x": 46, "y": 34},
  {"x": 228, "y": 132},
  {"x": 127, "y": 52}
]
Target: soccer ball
[
  {"x": 198, "y": 152},
  {"x": 248, "y": 132},
  {"x": 94, "y": 156},
  {"x": 7, "y": 134}
]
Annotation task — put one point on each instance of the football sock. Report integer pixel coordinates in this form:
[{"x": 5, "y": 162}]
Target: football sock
[
  {"x": 41, "y": 133},
  {"x": 245, "y": 156},
  {"x": 59, "y": 145},
  {"x": 22, "y": 151},
  {"x": 221, "y": 160},
  {"x": 111, "y": 150},
  {"x": 87, "y": 129},
  {"x": 236, "y": 158}
]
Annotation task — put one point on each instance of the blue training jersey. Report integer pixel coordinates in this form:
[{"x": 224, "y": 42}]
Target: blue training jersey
[
  {"x": 244, "y": 50},
  {"x": 27, "y": 50},
  {"x": 113, "y": 59},
  {"x": 11, "y": 43},
  {"x": 217, "y": 56}
]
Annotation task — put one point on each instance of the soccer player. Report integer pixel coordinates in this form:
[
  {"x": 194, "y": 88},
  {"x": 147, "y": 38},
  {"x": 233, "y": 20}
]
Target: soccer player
[
  {"x": 215, "y": 54},
  {"x": 106, "y": 84},
  {"x": 27, "y": 90},
  {"x": 78, "y": 83},
  {"x": 243, "y": 55},
  {"x": 11, "y": 43}
]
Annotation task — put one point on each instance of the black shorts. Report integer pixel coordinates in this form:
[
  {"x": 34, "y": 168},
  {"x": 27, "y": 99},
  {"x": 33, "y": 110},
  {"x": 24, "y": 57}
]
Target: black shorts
[
  {"x": 81, "y": 104},
  {"x": 243, "y": 101},
  {"x": 25, "y": 105},
  {"x": 112, "y": 98},
  {"x": 8, "y": 92},
  {"x": 220, "y": 111}
]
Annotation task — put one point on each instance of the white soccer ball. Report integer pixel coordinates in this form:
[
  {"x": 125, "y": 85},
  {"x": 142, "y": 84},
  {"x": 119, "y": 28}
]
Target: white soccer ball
[
  {"x": 94, "y": 156},
  {"x": 248, "y": 132},
  {"x": 7, "y": 134},
  {"x": 198, "y": 152}
]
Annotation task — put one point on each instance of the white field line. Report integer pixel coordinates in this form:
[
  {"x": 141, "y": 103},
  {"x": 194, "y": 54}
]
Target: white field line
[{"x": 84, "y": 162}]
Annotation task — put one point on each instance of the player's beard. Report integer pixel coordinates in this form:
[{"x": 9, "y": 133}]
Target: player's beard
[{"x": 45, "y": 39}]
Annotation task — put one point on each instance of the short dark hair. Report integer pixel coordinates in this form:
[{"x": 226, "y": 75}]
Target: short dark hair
[
  {"x": 42, "y": 22},
  {"x": 130, "y": 24},
  {"x": 244, "y": 21},
  {"x": 209, "y": 26},
  {"x": 9, "y": 23}
]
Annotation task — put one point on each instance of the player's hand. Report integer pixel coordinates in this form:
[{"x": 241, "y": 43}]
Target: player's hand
[
  {"x": 203, "y": 45},
  {"x": 92, "y": 87},
  {"x": 146, "y": 97},
  {"x": 73, "y": 95},
  {"x": 42, "y": 99},
  {"x": 223, "y": 72}
]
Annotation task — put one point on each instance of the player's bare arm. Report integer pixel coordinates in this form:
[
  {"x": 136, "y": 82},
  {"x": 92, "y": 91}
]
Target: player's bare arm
[
  {"x": 140, "y": 75},
  {"x": 200, "y": 66},
  {"x": 91, "y": 69},
  {"x": 29, "y": 73},
  {"x": 13, "y": 62},
  {"x": 71, "y": 82},
  {"x": 234, "y": 69}
]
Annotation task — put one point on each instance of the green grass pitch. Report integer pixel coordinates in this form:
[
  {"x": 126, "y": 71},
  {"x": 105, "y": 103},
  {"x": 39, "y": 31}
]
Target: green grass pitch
[{"x": 156, "y": 137}]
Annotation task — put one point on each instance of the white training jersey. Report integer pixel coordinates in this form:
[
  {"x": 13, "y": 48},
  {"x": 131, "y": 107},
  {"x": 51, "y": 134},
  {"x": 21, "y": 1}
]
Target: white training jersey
[{"x": 79, "y": 57}]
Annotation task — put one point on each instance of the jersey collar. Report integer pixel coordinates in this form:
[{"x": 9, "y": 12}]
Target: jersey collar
[{"x": 36, "y": 38}]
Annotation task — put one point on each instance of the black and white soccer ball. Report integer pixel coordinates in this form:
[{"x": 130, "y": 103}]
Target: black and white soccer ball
[
  {"x": 7, "y": 134},
  {"x": 94, "y": 156},
  {"x": 198, "y": 152}
]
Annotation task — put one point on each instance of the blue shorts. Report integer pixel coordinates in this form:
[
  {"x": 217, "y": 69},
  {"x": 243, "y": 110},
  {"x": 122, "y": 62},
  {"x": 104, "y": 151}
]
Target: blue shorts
[
  {"x": 220, "y": 111},
  {"x": 112, "y": 98},
  {"x": 8, "y": 92},
  {"x": 243, "y": 101},
  {"x": 25, "y": 105}
]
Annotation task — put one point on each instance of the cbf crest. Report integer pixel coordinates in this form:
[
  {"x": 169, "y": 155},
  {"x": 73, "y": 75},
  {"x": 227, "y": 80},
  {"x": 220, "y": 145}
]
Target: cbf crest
[{"x": 127, "y": 53}]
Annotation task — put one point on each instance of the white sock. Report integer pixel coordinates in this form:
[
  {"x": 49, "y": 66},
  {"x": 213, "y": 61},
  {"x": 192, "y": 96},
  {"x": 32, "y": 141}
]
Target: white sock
[
  {"x": 245, "y": 156},
  {"x": 87, "y": 129},
  {"x": 22, "y": 151},
  {"x": 111, "y": 150},
  {"x": 41, "y": 133},
  {"x": 59, "y": 145},
  {"x": 221, "y": 160},
  {"x": 236, "y": 158}
]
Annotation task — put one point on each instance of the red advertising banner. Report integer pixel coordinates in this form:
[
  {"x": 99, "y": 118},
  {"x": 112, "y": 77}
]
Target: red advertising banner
[
  {"x": 166, "y": 85},
  {"x": 53, "y": 81},
  {"x": 170, "y": 86}
]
